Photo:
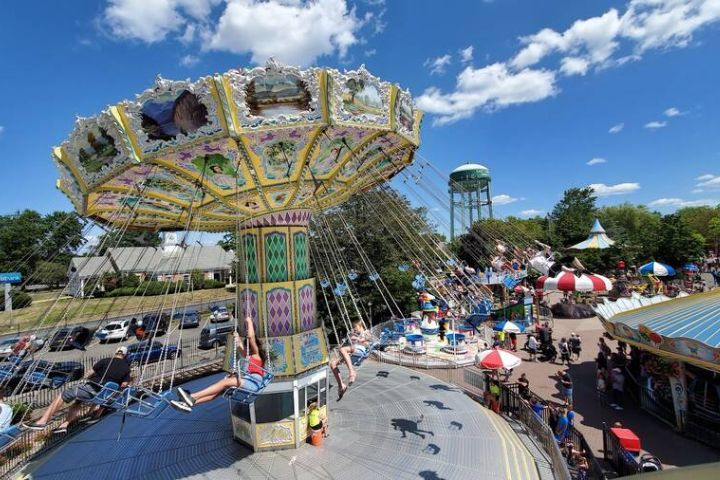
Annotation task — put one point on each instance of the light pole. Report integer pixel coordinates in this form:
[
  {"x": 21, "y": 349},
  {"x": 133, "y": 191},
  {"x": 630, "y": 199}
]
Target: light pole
[{"x": 369, "y": 304}]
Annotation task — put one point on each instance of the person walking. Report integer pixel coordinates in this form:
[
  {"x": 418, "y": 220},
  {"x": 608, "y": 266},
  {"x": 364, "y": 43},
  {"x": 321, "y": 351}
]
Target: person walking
[
  {"x": 564, "y": 348},
  {"x": 575, "y": 345},
  {"x": 513, "y": 341},
  {"x": 618, "y": 388}
]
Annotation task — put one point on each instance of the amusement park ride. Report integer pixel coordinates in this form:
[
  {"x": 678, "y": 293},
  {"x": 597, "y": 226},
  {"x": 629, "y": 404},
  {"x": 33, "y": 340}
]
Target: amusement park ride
[{"x": 255, "y": 152}]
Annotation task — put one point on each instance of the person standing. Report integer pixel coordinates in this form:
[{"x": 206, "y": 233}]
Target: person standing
[
  {"x": 561, "y": 429},
  {"x": 618, "y": 388},
  {"x": 566, "y": 386},
  {"x": 513, "y": 341},
  {"x": 532, "y": 347},
  {"x": 523, "y": 386},
  {"x": 6, "y": 411}
]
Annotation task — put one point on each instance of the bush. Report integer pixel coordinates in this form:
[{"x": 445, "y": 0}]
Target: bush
[
  {"x": 21, "y": 411},
  {"x": 210, "y": 283},
  {"x": 19, "y": 298}
]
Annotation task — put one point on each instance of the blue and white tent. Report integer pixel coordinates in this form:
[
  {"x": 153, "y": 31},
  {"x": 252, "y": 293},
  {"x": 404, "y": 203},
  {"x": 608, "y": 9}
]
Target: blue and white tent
[{"x": 597, "y": 239}]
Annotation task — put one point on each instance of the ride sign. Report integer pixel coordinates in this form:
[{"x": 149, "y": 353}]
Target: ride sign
[{"x": 10, "y": 277}]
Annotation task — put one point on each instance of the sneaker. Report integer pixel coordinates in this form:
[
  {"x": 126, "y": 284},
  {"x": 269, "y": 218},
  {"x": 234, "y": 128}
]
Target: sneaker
[
  {"x": 91, "y": 420},
  {"x": 59, "y": 431},
  {"x": 186, "y": 397},
  {"x": 182, "y": 406},
  {"x": 618, "y": 407},
  {"x": 613, "y": 405},
  {"x": 36, "y": 427}
]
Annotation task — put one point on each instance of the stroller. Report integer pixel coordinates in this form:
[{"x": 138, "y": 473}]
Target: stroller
[{"x": 548, "y": 352}]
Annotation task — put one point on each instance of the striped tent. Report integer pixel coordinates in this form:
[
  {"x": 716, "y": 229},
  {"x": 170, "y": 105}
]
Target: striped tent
[{"x": 597, "y": 238}]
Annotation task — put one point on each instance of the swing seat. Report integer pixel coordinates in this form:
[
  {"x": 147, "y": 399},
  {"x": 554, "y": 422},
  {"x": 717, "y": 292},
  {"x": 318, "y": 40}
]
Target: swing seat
[
  {"x": 109, "y": 396},
  {"x": 143, "y": 402},
  {"x": 252, "y": 386},
  {"x": 8, "y": 436},
  {"x": 359, "y": 356}
]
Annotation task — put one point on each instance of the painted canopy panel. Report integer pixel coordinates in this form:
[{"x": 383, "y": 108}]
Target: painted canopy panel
[
  {"x": 687, "y": 326},
  {"x": 237, "y": 145}
]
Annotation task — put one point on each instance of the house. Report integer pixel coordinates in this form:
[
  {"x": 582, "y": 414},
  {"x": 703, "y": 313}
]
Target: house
[{"x": 166, "y": 263}]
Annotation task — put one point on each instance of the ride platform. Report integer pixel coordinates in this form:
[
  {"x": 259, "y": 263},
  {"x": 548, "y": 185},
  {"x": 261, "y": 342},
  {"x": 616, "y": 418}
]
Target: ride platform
[{"x": 393, "y": 423}]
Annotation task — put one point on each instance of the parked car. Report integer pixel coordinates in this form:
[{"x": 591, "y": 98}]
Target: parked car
[
  {"x": 189, "y": 319},
  {"x": 214, "y": 336},
  {"x": 7, "y": 345},
  {"x": 219, "y": 314},
  {"x": 153, "y": 325},
  {"x": 70, "y": 337},
  {"x": 44, "y": 374},
  {"x": 148, "y": 352},
  {"x": 39, "y": 374},
  {"x": 113, "y": 331}
]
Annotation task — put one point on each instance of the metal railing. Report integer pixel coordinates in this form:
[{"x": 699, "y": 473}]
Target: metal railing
[{"x": 29, "y": 444}]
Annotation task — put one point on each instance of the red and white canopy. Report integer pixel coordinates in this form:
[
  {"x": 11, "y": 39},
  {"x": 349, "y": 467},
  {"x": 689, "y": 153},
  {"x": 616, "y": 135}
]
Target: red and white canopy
[
  {"x": 496, "y": 358},
  {"x": 567, "y": 281}
]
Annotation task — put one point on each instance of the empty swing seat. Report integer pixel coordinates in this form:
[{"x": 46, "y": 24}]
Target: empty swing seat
[
  {"x": 143, "y": 402},
  {"x": 8, "y": 436}
]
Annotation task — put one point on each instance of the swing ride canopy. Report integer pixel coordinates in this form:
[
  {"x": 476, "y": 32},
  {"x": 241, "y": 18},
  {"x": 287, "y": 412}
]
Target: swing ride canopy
[
  {"x": 237, "y": 145},
  {"x": 597, "y": 239}
]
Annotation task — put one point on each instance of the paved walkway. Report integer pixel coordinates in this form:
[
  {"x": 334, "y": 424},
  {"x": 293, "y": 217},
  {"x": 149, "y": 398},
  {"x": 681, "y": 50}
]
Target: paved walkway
[
  {"x": 656, "y": 437},
  {"x": 394, "y": 423}
]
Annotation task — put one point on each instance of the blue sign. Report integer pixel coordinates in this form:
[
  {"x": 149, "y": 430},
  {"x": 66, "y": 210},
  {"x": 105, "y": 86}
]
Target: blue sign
[{"x": 10, "y": 277}]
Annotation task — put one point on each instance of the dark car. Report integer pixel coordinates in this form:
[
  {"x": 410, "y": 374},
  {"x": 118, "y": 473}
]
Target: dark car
[
  {"x": 70, "y": 337},
  {"x": 147, "y": 352},
  {"x": 190, "y": 319},
  {"x": 153, "y": 325},
  {"x": 214, "y": 336},
  {"x": 39, "y": 373},
  {"x": 44, "y": 374}
]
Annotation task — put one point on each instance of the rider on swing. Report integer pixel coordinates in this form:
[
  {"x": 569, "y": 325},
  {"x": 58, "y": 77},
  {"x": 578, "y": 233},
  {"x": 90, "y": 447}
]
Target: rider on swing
[{"x": 250, "y": 381}]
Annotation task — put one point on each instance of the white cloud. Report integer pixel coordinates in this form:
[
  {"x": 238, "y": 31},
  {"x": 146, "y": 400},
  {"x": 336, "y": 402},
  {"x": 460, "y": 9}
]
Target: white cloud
[
  {"x": 596, "y": 161},
  {"x": 655, "y": 124},
  {"x": 531, "y": 212},
  {"x": 437, "y": 65},
  {"x": 616, "y": 128},
  {"x": 370, "y": 53},
  {"x": 466, "y": 54},
  {"x": 290, "y": 31},
  {"x": 697, "y": 190},
  {"x": 607, "y": 40},
  {"x": 504, "y": 199},
  {"x": 491, "y": 87},
  {"x": 2, "y": 129},
  {"x": 602, "y": 190},
  {"x": 574, "y": 66},
  {"x": 672, "y": 112},
  {"x": 708, "y": 181},
  {"x": 189, "y": 60},
  {"x": 679, "y": 202}
]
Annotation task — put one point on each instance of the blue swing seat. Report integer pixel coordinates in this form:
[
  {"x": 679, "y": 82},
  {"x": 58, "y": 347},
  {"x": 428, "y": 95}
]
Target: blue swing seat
[
  {"x": 143, "y": 402},
  {"x": 358, "y": 357},
  {"x": 252, "y": 385},
  {"x": 109, "y": 396},
  {"x": 8, "y": 436}
]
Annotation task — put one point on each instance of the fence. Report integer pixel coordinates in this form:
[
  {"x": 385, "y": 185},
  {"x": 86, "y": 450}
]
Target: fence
[{"x": 191, "y": 363}]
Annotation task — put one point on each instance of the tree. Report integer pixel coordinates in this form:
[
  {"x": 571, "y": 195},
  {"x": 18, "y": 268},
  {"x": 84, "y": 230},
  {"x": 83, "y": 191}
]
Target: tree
[
  {"x": 714, "y": 233},
  {"x": 51, "y": 273},
  {"x": 129, "y": 238},
  {"x": 635, "y": 229},
  {"x": 572, "y": 217},
  {"x": 197, "y": 278},
  {"x": 678, "y": 243}
]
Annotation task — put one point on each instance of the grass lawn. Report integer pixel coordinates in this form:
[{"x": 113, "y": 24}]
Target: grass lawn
[{"x": 77, "y": 310}]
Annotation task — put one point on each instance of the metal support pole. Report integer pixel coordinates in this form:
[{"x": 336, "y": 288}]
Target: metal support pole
[
  {"x": 452, "y": 215},
  {"x": 471, "y": 207},
  {"x": 8, "y": 298}
]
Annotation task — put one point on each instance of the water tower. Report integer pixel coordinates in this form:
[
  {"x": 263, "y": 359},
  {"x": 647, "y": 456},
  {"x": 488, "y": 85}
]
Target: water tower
[{"x": 469, "y": 193}]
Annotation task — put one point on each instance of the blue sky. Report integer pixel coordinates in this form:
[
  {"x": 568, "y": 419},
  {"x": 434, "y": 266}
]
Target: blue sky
[{"x": 534, "y": 99}]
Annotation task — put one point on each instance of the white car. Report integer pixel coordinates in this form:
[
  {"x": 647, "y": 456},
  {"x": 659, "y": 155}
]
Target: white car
[
  {"x": 113, "y": 331},
  {"x": 7, "y": 345},
  {"x": 220, "y": 314}
]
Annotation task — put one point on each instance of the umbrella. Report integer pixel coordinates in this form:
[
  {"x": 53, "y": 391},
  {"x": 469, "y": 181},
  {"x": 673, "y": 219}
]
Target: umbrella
[
  {"x": 567, "y": 281},
  {"x": 496, "y": 358},
  {"x": 508, "y": 326},
  {"x": 658, "y": 269},
  {"x": 691, "y": 267}
]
